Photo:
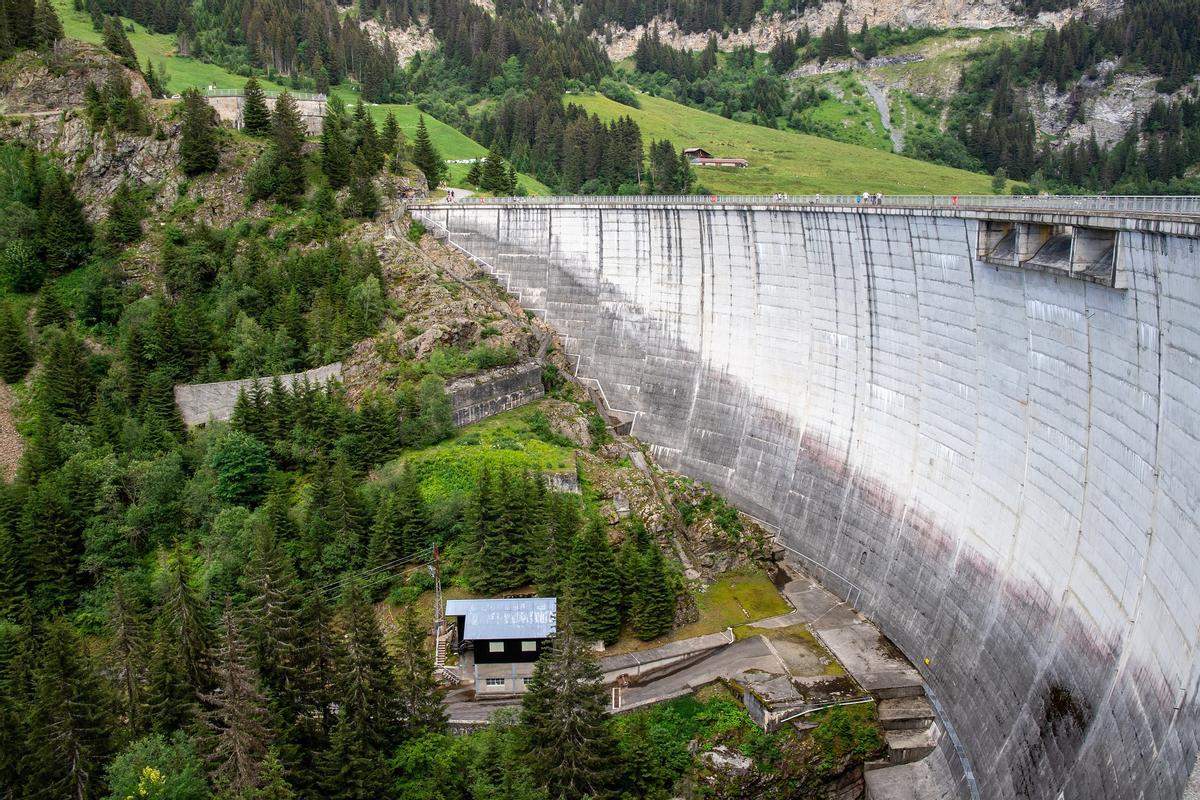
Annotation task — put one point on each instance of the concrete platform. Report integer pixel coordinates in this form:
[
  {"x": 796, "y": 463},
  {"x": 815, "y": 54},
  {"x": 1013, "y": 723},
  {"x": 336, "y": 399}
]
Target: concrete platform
[
  {"x": 929, "y": 779},
  {"x": 905, "y": 713},
  {"x": 905, "y": 747},
  {"x": 873, "y": 661}
]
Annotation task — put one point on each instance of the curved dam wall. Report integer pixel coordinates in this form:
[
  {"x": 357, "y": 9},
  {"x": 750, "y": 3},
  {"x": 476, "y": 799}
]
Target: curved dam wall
[{"x": 1001, "y": 466}]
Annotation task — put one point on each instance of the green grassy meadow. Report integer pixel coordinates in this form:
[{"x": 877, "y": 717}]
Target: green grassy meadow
[{"x": 782, "y": 161}]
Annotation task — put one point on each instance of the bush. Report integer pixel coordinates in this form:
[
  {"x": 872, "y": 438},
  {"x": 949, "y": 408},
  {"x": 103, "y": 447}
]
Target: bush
[
  {"x": 415, "y": 231},
  {"x": 620, "y": 92},
  {"x": 241, "y": 464}
]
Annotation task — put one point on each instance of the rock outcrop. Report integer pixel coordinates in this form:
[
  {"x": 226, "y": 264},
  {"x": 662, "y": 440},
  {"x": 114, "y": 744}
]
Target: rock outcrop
[
  {"x": 983, "y": 14},
  {"x": 34, "y": 82}
]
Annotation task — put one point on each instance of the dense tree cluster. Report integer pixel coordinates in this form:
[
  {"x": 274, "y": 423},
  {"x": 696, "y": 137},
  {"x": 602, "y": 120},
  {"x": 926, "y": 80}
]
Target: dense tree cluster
[
  {"x": 692, "y": 16},
  {"x": 989, "y": 117},
  {"x": 563, "y": 146},
  {"x": 113, "y": 104},
  {"x": 26, "y": 24},
  {"x": 483, "y": 43},
  {"x": 518, "y": 533},
  {"x": 741, "y": 89},
  {"x": 43, "y": 230}
]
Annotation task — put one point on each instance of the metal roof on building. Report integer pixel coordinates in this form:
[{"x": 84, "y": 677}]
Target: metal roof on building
[{"x": 510, "y": 618}]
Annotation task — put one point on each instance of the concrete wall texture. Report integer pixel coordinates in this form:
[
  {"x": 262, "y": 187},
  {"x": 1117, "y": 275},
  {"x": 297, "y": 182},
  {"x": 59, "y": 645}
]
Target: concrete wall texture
[
  {"x": 207, "y": 402},
  {"x": 477, "y": 397},
  {"x": 1000, "y": 466}
]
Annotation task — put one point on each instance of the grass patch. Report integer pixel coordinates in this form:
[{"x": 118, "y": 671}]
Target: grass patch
[
  {"x": 505, "y": 440},
  {"x": 782, "y": 161},
  {"x": 736, "y": 598},
  {"x": 846, "y": 731}
]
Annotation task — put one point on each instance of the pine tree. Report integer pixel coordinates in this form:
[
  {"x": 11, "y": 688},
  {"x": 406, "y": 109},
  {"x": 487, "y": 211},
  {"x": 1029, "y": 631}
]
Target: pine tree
[
  {"x": 367, "y": 688},
  {"x": 46, "y": 24},
  {"x": 154, "y": 81},
  {"x": 198, "y": 142},
  {"x": 324, "y": 206},
  {"x": 186, "y": 615},
  {"x": 593, "y": 584},
  {"x": 71, "y": 720},
  {"x": 53, "y": 536},
  {"x": 273, "y": 616},
  {"x": 494, "y": 177},
  {"x": 171, "y": 700},
  {"x": 287, "y": 137},
  {"x": 66, "y": 235},
  {"x": 50, "y": 310},
  {"x": 339, "y": 524},
  {"x": 16, "y": 354},
  {"x": 65, "y": 388},
  {"x": 368, "y": 140},
  {"x": 256, "y": 118},
  {"x": 335, "y": 153},
  {"x": 655, "y": 593},
  {"x": 354, "y": 767},
  {"x": 126, "y": 210},
  {"x": 237, "y": 713},
  {"x": 475, "y": 174},
  {"x": 364, "y": 200},
  {"x": 420, "y": 696},
  {"x": 117, "y": 42},
  {"x": 272, "y": 784},
  {"x": 426, "y": 156},
  {"x": 389, "y": 140},
  {"x": 127, "y": 656},
  {"x": 570, "y": 745}
]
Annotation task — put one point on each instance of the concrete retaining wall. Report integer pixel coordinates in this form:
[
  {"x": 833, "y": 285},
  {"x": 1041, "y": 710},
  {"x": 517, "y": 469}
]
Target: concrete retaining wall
[
  {"x": 230, "y": 108},
  {"x": 1000, "y": 466},
  {"x": 206, "y": 402},
  {"x": 486, "y": 394}
]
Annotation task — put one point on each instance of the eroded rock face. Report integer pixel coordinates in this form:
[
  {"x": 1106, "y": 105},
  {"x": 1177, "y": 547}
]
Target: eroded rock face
[
  {"x": 765, "y": 32},
  {"x": 98, "y": 161},
  {"x": 34, "y": 82},
  {"x": 406, "y": 42}
]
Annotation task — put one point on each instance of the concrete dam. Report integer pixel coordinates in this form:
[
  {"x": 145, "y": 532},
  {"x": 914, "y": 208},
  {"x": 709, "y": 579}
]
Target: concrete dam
[{"x": 979, "y": 424}]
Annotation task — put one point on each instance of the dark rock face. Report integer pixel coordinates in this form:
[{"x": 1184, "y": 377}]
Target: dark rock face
[{"x": 997, "y": 465}]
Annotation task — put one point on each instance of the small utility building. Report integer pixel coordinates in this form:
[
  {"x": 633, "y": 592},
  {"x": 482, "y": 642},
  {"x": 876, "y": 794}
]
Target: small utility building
[{"x": 498, "y": 641}]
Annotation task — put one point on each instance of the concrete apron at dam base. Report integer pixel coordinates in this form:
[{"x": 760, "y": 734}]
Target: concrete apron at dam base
[{"x": 978, "y": 425}]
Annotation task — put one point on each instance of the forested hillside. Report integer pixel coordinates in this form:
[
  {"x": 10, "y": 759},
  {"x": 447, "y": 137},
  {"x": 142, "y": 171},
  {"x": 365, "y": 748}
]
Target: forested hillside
[{"x": 1015, "y": 104}]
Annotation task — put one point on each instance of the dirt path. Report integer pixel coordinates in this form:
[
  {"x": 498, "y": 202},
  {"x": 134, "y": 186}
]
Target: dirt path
[{"x": 11, "y": 444}]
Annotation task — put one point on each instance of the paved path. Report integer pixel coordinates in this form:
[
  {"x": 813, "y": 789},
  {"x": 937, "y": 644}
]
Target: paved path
[
  {"x": 754, "y": 653},
  {"x": 459, "y": 194}
]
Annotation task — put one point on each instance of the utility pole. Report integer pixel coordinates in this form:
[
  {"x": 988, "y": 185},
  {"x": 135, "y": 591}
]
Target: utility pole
[{"x": 439, "y": 620}]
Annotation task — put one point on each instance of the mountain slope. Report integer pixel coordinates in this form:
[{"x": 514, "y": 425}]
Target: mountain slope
[{"x": 781, "y": 161}]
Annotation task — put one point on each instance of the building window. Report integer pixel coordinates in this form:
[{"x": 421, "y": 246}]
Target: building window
[
  {"x": 525, "y": 681},
  {"x": 494, "y": 681},
  {"x": 528, "y": 647},
  {"x": 495, "y": 647}
]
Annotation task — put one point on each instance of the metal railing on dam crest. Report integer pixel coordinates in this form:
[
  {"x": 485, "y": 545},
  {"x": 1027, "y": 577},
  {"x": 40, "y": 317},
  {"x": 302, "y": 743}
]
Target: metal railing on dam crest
[{"x": 1187, "y": 205}]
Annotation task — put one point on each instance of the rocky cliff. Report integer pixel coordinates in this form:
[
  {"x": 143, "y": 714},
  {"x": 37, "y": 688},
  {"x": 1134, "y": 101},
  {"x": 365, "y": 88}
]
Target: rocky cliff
[
  {"x": 34, "y": 82},
  {"x": 938, "y": 14}
]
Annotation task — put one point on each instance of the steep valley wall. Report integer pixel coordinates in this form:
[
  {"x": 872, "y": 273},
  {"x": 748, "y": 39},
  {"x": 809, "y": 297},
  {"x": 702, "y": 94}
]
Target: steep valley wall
[{"x": 1000, "y": 466}]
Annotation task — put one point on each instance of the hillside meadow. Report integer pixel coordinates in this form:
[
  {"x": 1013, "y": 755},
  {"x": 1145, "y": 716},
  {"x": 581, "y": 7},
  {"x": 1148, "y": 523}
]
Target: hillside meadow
[{"x": 782, "y": 161}]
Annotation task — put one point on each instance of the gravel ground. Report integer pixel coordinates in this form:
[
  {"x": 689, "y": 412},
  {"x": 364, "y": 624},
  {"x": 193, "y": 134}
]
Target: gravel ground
[{"x": 11, "y": 445}]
